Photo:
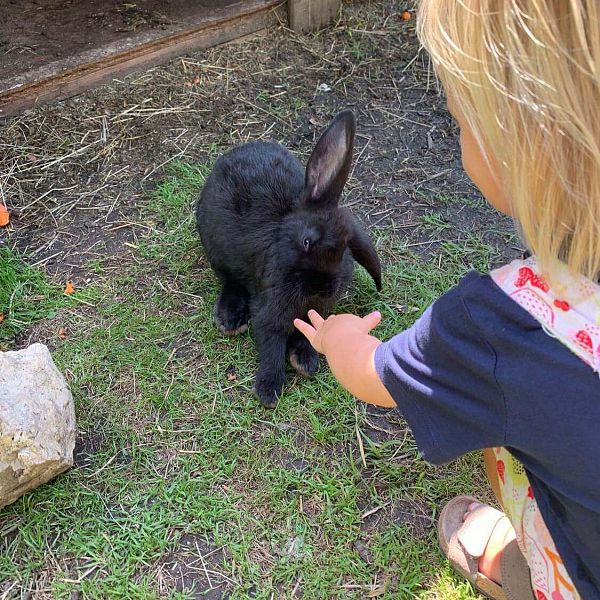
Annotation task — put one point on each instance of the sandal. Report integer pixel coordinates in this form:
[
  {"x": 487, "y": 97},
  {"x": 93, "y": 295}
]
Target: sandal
[{"x": 463, "y": 549}]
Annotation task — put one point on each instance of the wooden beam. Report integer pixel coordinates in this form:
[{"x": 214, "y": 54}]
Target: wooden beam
[
  {"x": 310, "y": 15},
  {"x": 67, "y": 78}
]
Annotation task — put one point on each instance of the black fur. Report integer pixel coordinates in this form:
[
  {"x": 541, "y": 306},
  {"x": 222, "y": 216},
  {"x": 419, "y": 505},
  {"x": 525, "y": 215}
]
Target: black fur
[{"x": 280, "y": 245}]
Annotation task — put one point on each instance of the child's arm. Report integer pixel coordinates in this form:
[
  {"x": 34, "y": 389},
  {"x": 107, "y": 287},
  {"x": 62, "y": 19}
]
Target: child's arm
[{"x": 350, "y": 352}]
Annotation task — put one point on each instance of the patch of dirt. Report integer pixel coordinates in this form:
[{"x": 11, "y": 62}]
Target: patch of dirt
[
  {"x": 408, "y": 512},
  {"x": 412, "y": 514},
  {"x": 58, "y": 330},
  {"x": 382, "y": 425},
  {"x": 363, "y": 551},
  {"x": 194, "y": 568},
  {"x": 87, "y": 445},
  {"x": 292, "y": 462},
  {"x": 312, "y": 507}
]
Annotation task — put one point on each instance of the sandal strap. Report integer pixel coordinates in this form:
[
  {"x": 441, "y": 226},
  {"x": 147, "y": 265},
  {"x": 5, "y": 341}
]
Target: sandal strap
[
  {"x": 469, "y": 568},
  {"x": 478, "y": 528},
  {"x": 516, "y": 576}
]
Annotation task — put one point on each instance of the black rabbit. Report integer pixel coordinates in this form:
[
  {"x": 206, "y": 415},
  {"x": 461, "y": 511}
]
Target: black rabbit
[{"x": 280, "y": 245}]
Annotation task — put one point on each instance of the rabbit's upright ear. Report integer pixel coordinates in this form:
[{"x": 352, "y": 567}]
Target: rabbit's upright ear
[
  {"x": 364, "y": 252},
  {"x": 329, "y": 164}
]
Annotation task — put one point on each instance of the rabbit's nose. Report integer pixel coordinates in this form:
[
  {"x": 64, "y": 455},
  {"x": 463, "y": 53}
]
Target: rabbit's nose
[{"x": 323, "y": 284}]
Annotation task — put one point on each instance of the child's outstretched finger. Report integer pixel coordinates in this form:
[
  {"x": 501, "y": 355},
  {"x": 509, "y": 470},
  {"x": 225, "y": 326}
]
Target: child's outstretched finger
[
  {"x": 372, "y": 320},
  {"x": 315, "y": 318},
  {"x": 308, "y": 331}
]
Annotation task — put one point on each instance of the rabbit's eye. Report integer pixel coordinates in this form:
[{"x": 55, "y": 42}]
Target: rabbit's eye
[{"x": 306, "y": 244}]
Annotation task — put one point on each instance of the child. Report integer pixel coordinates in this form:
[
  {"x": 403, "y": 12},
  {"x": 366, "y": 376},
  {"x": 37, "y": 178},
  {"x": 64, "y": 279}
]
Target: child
[{"x": 509, "y": 361}]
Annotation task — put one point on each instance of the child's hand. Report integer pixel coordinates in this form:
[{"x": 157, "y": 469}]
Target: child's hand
[
  {"x": 350, "y": 352},
  {"x": 327, "y": 332}
]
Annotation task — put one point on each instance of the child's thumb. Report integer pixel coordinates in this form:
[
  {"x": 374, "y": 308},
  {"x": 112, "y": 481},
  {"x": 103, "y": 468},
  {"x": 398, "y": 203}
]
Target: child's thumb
[{"x": 372, "y": 320}]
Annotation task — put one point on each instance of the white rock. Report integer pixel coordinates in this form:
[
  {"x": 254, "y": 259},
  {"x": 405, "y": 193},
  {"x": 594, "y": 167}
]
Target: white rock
[{"x": 37, "y": 422}]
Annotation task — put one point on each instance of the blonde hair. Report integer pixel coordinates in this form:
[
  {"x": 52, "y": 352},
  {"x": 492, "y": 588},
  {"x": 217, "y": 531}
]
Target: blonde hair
[{"x": 525, "y": 75}]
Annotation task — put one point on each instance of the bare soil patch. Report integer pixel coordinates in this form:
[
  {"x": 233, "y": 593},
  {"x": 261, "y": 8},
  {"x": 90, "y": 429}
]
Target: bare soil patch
[{"x": 194, "y": 568}]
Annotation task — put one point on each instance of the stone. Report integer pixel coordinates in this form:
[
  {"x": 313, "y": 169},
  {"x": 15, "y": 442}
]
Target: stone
[{"x": 37, "y": 422}]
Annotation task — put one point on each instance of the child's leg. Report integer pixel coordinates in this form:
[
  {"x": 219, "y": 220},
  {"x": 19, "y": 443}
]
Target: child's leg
[{"x": 489, "y": 563}]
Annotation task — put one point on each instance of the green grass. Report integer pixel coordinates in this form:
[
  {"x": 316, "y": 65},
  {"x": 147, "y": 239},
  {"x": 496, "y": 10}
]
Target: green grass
[
  {"x": 435, "y": 222},
  {"x": 176, "y": 448},
  {"x": 27, "y": 296}
]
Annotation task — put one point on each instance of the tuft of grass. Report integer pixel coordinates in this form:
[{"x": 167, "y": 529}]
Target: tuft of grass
[
  {"x": 435, "y": 223},
  {"x": 172, "y": 214},
  {"x": 27, "y": 296}
]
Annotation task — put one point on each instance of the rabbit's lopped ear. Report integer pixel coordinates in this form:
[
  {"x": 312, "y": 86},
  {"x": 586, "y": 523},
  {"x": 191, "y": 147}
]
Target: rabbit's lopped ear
[
  {"x": 329, "y": 164},
  {"x": 364, "y": 252}
]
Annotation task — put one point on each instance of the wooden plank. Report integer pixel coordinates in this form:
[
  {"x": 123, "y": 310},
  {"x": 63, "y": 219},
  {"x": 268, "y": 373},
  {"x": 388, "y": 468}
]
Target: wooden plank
[
  {"x": 310, "y": 15},
  {"x": 77, "y": 74}
]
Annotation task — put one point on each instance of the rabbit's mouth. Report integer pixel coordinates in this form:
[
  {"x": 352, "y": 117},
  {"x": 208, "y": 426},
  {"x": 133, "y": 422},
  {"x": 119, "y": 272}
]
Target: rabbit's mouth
[{"x": 321, "y": 284}]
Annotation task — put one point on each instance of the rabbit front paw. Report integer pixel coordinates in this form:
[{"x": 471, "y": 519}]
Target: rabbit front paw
[
  {"x": 304, "y": 358},
  {"x": 231, "y": 313},
  {"x": 267, "y": 388}
]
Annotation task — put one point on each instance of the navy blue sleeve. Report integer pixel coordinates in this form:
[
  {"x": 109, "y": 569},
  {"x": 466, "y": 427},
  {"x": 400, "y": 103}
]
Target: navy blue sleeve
[{"x": 441, "y": 373}]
